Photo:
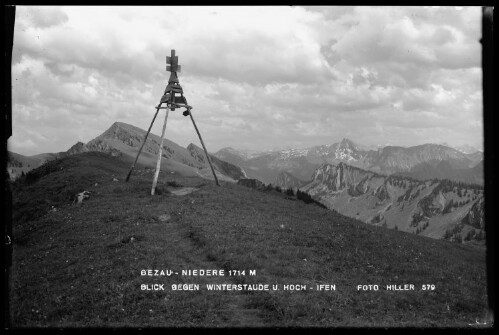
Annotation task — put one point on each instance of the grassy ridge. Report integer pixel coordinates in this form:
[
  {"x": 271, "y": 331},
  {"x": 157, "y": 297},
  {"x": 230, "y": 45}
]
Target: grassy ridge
[
  {"x": 291, "y": 242},
  {"x": 80, "y": 265}
]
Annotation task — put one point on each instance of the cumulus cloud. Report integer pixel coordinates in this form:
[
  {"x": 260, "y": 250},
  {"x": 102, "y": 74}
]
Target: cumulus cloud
[
  {"x": 257, "y": 77},
  {"x": 44, "y": 17}
]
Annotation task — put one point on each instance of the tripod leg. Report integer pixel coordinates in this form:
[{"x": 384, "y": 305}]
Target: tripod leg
[
  {"x": 204, "y": 147},
  {"x": 142, "y": 146},
  {"x": 158, "y": 163}
]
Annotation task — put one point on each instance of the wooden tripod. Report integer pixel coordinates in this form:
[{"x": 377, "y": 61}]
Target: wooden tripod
[{"x": 172, "y": 101}]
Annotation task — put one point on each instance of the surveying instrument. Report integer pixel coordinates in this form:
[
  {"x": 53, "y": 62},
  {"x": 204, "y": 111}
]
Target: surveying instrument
[{"x": 173, "y": 98}]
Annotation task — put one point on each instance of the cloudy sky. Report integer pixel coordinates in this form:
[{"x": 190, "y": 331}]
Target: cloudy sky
[{"x": 257, "y": 77}]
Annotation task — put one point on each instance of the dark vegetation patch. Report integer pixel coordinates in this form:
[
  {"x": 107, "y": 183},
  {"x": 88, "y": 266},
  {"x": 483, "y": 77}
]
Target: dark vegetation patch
[
  {"x": 289, "y": 193},
  {"x": 173, "y": 183},
  {"x": 161, "y": 190}
]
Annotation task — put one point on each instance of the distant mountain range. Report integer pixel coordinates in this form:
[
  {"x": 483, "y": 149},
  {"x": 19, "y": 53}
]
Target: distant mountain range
[
  {"x": 417, "y": 189},
  {"x": 444, "y": 170},
  {"x": 420, "y": 162},
  {"x": 124, "y": 140},
  {"x": 18, "y": 164},
  {"x": 466, "y": 149}
]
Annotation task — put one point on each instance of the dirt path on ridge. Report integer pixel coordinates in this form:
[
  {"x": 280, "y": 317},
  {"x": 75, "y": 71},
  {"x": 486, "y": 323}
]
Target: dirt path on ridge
[{"x": 235, "y": 311}]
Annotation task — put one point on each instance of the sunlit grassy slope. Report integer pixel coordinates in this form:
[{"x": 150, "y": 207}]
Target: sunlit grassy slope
[{"x": 80, "y": 266}]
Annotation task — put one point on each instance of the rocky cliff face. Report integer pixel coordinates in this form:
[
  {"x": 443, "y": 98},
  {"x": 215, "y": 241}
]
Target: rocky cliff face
[
  {"x": 101, "y": 146},
  {"x": 94, "y": 145},
  {"x": 79, "y": 147},
  {"x": 475, "y": 216},
  {"x": 437, "y": 209}
]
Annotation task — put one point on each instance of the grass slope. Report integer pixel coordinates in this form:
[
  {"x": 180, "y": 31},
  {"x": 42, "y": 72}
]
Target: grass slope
[{"x": 80, "y": 265}]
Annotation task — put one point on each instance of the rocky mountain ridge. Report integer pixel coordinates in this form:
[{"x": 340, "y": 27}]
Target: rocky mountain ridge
[{"x": 437, "y": 209}]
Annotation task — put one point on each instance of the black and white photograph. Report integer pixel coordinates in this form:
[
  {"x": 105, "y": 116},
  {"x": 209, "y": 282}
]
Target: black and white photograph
[{"x": 247, "y": 167}]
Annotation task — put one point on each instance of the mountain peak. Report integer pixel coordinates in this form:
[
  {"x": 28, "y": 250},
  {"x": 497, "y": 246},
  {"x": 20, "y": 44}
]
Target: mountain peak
[
  {"x": 122, "y": 131},
  {"x": 347, "y": 143},
  {"x": 125, "y": 126},
  {"x": 117, "y": 124}
]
